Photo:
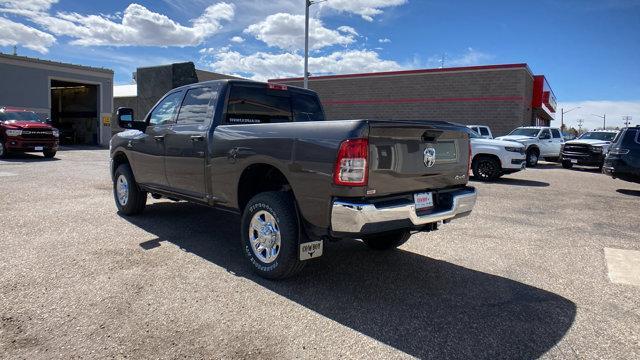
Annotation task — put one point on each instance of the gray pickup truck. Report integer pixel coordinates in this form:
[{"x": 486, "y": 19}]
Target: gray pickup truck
[{"x": 265, "y": 152}]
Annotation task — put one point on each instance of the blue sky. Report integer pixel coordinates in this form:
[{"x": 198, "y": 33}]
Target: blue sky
[{"x": 589, "y": 50}]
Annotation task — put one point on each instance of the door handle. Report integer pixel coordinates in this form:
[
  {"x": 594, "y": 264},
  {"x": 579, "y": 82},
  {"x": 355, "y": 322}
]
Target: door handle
[
  {"x": 158, "y": 138},
  {"x": 197, "y": 138}
]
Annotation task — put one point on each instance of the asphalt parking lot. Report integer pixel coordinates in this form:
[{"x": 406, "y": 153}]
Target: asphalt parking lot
[{"x": 525, "y": 276}]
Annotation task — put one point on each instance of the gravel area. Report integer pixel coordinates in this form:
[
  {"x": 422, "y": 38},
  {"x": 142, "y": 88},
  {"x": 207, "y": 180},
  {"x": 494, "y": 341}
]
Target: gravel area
[{"x": 524, "y": 276}]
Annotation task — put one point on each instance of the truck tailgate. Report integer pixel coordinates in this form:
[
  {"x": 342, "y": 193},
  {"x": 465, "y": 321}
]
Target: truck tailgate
[{"x": 409, "y": 156}]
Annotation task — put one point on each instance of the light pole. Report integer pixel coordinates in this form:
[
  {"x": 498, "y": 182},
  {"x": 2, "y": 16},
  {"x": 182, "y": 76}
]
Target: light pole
[
  {"x": 604, "y": 120},
  {"x": 308, "y": 4},
  {"x": 562, "y": 112}
]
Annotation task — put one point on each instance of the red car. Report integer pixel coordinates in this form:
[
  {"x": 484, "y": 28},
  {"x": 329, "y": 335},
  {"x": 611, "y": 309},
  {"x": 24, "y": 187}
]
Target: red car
[{"x": 23, "y": 131}]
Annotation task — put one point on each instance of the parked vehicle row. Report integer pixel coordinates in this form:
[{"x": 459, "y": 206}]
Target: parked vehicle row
[{"x": 588, "y": 150}]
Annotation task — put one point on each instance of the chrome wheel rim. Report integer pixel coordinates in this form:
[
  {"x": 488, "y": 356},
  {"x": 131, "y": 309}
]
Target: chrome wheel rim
[
  {"x": 533, "y": 158},
  {"x": 122, "y": 190},
  {"x": 264, "y": 236}
]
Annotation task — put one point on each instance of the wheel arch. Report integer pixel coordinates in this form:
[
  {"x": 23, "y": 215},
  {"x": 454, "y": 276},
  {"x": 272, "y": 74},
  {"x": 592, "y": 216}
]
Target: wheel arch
[
  {"x": 260, "y": 177},
  {"x": 486, "y": 155}
]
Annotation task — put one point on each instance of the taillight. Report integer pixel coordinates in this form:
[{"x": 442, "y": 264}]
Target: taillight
[{"x": 351, "y": 164}]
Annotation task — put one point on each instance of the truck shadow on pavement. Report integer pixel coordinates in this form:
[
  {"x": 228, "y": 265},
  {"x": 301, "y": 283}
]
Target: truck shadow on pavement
[
  {"x": 515, "y": 182},
  {"x": 424, "y": 307},
  {"x": 628, "y": 192},
  {"x": 26, "y": 157}
]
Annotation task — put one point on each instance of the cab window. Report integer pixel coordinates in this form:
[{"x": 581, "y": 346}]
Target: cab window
[
  {"x": 556, "y": 133},
  {"x": 166, "y": 109},
  {"x": 544, "y": 134},
  {"x": 306, "y": 108},
  {"x": 484, "y": 131},
  {"x": 258, "y": 105}
]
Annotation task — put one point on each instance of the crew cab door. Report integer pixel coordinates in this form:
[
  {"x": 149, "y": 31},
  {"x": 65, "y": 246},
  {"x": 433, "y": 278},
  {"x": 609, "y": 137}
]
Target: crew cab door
[
  {"x": 558, "y": 140},
  {"x": 545, "y": 142},
  {"x": 147, "y": 150},
  {"x": 186, "y": 142}
]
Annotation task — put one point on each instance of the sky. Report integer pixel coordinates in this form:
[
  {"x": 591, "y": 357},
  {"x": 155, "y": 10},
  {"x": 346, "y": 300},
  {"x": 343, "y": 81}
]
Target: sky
[{"x": 588, "y": 50}]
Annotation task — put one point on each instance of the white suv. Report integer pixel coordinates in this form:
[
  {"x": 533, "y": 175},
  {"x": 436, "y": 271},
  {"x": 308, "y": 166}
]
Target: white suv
[
  {"x": 494, "y": 158},
  {"x": 540, "y": 142}
]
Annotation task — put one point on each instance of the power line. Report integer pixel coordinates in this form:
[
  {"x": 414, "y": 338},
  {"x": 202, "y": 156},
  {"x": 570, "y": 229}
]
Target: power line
[{"x": 627, "y": 120}]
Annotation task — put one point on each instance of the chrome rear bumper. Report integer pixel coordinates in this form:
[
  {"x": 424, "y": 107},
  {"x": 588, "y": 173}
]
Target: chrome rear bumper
[{"x": 351, "y": 217}]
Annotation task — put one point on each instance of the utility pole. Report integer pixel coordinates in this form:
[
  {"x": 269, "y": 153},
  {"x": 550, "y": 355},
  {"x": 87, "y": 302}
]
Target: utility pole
[
  {"x": 442, "y": 60},
  {"x": 308, "y": 4},
  {"x": 562, "y": 112},
  {"x": 306, "y": 43},
  {"x": 604, "y": 120},
  {"x": 15, "y": 50},
  {"x": 627, "y": 120},
  {"x": 580, "y": 121}
]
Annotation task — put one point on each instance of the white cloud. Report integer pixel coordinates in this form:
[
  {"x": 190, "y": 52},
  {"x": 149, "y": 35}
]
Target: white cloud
[
  {"x": 139, "y": 26},
  {"x": 614, "y": 110},
  {"x": 237, "y": 39},
  {"x": 263, "y": 66},
  {"x": 286, "y": 31},
  {"x": 14, "y": 33},
  {"x": 348, "y": 30},
  {"x": 27, "y": 5},
  {"x": 367, "y": 9},
  {"x": 384, "y": 40}
]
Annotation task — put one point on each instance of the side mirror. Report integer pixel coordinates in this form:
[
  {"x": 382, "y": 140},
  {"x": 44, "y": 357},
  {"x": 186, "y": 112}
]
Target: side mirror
[{"x": 125, "y": 119}]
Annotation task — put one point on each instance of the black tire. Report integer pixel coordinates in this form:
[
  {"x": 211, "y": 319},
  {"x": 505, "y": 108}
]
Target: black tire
[
  {"x": 136, "y": 199},
  {"x": 3, "y": 150},
  {"x": 533, "y": 155},
  {"x": 486, "y": 168},
  {"x": 281, "y": 207},
  {"x": 567, "y": 164},
  {"x": 552, "y": 159},
  {"x": 49, "y": 154},
  {"x": 387, "y": 241}
]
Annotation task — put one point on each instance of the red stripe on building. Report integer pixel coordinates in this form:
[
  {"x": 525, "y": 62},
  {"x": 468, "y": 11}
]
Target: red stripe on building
[
  {"x": 421, "y": 100},
  {"x": 407, "y": 72}
]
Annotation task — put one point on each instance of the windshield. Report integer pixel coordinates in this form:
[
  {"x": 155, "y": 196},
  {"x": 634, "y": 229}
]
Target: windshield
[
  {"x": 525, "y": 132},
  {"x": 19, "y": 116},
  {"x": 472, "y": 134},
  {"x": 604, "y": 136}
]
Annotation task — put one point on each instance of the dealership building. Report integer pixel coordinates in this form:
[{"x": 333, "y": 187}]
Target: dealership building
[
  {"x": 502, "y": 97},
  {"x": 77, "y": 99}
]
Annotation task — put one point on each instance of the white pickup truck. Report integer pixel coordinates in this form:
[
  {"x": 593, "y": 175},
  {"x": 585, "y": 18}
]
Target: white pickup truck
[
  {"x": 540, "y": 142},
  {"x": 494, "y": 158}
]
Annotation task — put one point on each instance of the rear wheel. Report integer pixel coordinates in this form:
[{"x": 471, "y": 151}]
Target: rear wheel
[
  {"x": 486, "y": 168},
  {"x": 49, "y": 154},
  {"x": 567, "y": 164},
  {"x": 130, "y": 200},
  {"x": 270, "y": 235},
  {"x": 387, "y": 241},
  {"x": 533, "y": 155}
]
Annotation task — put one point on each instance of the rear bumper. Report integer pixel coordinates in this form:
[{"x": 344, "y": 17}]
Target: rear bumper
[
  {"x": 24, "y": 145},
  {"x": 367, "y": 218}
]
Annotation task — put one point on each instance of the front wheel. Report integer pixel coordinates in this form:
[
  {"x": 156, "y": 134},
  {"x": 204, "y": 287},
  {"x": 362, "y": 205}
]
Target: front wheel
[
  {"x": 387, "y": 241},
  {"x": 486, "y": 168},
  {"x": 270, "y": 235},
  {"x": 567, "y": 164},
  {"x": 130, "y": 200}
]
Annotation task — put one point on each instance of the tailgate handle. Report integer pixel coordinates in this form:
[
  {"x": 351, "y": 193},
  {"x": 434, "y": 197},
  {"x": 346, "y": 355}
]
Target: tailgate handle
[{"x": 431, "y": 135}]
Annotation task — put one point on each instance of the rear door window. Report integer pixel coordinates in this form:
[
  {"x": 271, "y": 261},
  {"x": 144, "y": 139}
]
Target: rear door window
[
  {"x": 257, "y": 105},
  {"x": 306, "y": 107},
  {"x": 197, "y": 106}
]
